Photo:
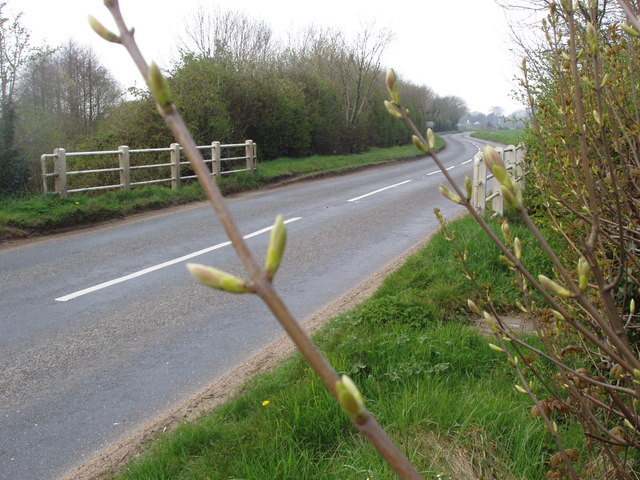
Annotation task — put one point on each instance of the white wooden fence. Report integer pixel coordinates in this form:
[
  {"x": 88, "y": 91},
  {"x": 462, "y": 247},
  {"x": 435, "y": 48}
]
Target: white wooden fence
[
  {"x": 513, "y": 158},
  {"x": 54, "y": 165}
]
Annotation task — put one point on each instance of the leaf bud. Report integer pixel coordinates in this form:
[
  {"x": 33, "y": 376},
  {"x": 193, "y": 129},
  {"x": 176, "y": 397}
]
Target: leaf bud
[
  {"x": 592, "y": 37},
  {"x": 101, "y": 30},
  {"x": 447, "y": 193},
  {"x": 217, "y": 279},
  {"x": 520, "y": 389},
  {"x": 506, "y": 232},
  {"x": 495, "y": 347},
  {"x": 393, "y": 109},
  {"x": 508, "y": 196},
  {"x": 392, "y": 85},
  {"x": 275, "y": 249},
  {"x": 491, "y": 157},
  {"x": 431, "y": 138},
  {"x": 506, "y": 262},
  {"x": 517, "y": 248},
  {"x": 597, "y": 118},
  {"x": 468, "y": 187},
  {"x": 629, "y": 30},
  {"x": 583, "y": 273},
  {"x": 632, "y": 306},
  {"x": 350, "y": 398},
  {"x": 473, "y": 307},
  {"x": 553, "y": 286},
  {"x": 419, "y": 145},
  {"x": 491, "y": 321},
  {"x": 159, "y": 89}
]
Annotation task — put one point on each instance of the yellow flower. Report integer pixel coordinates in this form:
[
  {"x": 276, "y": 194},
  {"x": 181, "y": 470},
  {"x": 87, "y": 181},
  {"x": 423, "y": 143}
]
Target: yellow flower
[
  {"x": 77, "y": 203},
  {"x": 265, "y": 403}
]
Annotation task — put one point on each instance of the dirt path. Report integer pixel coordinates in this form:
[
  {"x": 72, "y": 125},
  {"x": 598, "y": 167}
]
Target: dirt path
[{"x": 113, "y": 458}]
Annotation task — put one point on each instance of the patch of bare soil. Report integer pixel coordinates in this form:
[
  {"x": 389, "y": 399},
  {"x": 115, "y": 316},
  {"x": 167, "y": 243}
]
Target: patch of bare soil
[{"x": 113, "y": 458}]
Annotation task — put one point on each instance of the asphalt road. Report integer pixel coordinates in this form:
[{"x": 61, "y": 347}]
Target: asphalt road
[{"x": 102, "y": 330}]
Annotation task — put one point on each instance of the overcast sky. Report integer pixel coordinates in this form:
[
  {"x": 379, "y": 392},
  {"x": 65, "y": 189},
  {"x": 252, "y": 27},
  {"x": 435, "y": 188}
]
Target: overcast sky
[{"x": 455, "y": 47}]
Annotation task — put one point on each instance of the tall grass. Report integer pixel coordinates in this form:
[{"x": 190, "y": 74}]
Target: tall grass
[{"x": 424, "y": 371}]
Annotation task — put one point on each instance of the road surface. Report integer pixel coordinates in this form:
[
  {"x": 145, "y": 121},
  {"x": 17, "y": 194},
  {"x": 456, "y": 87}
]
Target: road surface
[{"x": 104, "y": 329}]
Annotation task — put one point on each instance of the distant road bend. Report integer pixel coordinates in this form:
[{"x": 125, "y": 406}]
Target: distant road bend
[{"x": 104, "y": 329}]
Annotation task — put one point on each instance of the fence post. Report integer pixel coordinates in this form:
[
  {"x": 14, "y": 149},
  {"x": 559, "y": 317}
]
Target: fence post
[
  {"x": 60, "y": 169},
  {"x": 519, "y": 167},
  {"x": 43, "y": 167},
  {"x": 215, "y": 159},
  {"x": 125, "y": 172},
  {"x": 254, "y": 154},
  {"x": 479, "y": 196},
  {"x": 175, "y": 166},
  {"x": 248, "y": 153},
  {"x": 497, "y": 204}
]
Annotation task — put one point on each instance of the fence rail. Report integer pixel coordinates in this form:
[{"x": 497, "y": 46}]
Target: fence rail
[
  {"x": 54, "y": 166},
  {"x": 513, "y": 158}
]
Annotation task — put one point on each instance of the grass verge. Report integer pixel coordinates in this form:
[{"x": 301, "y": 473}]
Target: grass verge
[
  {"x": 25, "y": 215},
  {"x": 445, "y": 397},
  {"x": 508, "y": 137}
]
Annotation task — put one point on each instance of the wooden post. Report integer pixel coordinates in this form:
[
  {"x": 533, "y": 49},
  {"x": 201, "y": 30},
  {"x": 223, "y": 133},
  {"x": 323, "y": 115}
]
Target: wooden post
[
  {"x": 125, "y": 172},
  {"x": 254, "y": 154},
  {"x": 60, "y": 169},
  {"x": 479, "y": 196},
  {"x": 498, "y": 200},
  {"x": 43, "y": 167},
  {"x": 175, "y": 166},
  {"x": 215, "y": 159},
  {"x": 519, "y": 168},
  {"x": 248, "y": 153}
]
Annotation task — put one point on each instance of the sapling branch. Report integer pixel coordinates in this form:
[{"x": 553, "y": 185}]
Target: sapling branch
[{"x": 259, "y": 281}]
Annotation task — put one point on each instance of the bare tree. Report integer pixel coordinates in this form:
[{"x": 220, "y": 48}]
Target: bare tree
[
  {"x": 214, "y": 33},
  {"x": 14, "y": 51}
]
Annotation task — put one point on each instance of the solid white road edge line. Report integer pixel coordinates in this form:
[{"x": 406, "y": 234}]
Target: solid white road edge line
[
  {"x": 377, "y": 191},
  {"x": 139, "y": 273}
]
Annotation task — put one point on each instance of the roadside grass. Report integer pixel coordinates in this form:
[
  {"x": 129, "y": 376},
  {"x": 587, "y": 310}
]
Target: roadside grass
[
  {"x": 508, "y": 137},
  {"x": 25, "y": 215},
  {"x": 429, "y": 377}
]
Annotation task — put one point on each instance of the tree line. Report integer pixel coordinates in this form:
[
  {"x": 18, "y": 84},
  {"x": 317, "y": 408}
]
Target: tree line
[{"x": 318, "y": 93}]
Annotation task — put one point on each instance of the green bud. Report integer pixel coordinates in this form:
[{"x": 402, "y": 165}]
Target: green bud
[
  {"x": 605, "y": 80},
  {"x": 629, "y": 30},
  {"x": 509, "y": 196},
  {"x": 350, "y": 398},
  {"x": 421, "y": 146},
  {"x": 159, "y": 89},
  {"x": 495, "y": 347},
  {"x": 632, "y": 306},
  {"x": 468, "y": 186},
  {"x": 491, "y": 157},
  {"x": 520, "y": 389},
  {"x": 491, "y": 322},
  {"x": 392, "y": 86},
  {"x": 473, "y": 307},
  {"x": 597, "y": 118},
  {"x": 431, "y": 138},
  {"x": 506, "y": 232},
  {"x": 393, "y": 109},
  {"x": 506, "y": 262},
  {"x": 100, "y": 29},
  {"x": 553, "y": 286},
  {"x": 275, "y": 249},
  {"x": 636, "y": 373},
  {"x": 447, "y": 193},
  {"x": 592, "y": 37},
  {"x": 583, "y": 273},
  {"x": 217, "y": 279},
  {"x": 517, "y": 248}
]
